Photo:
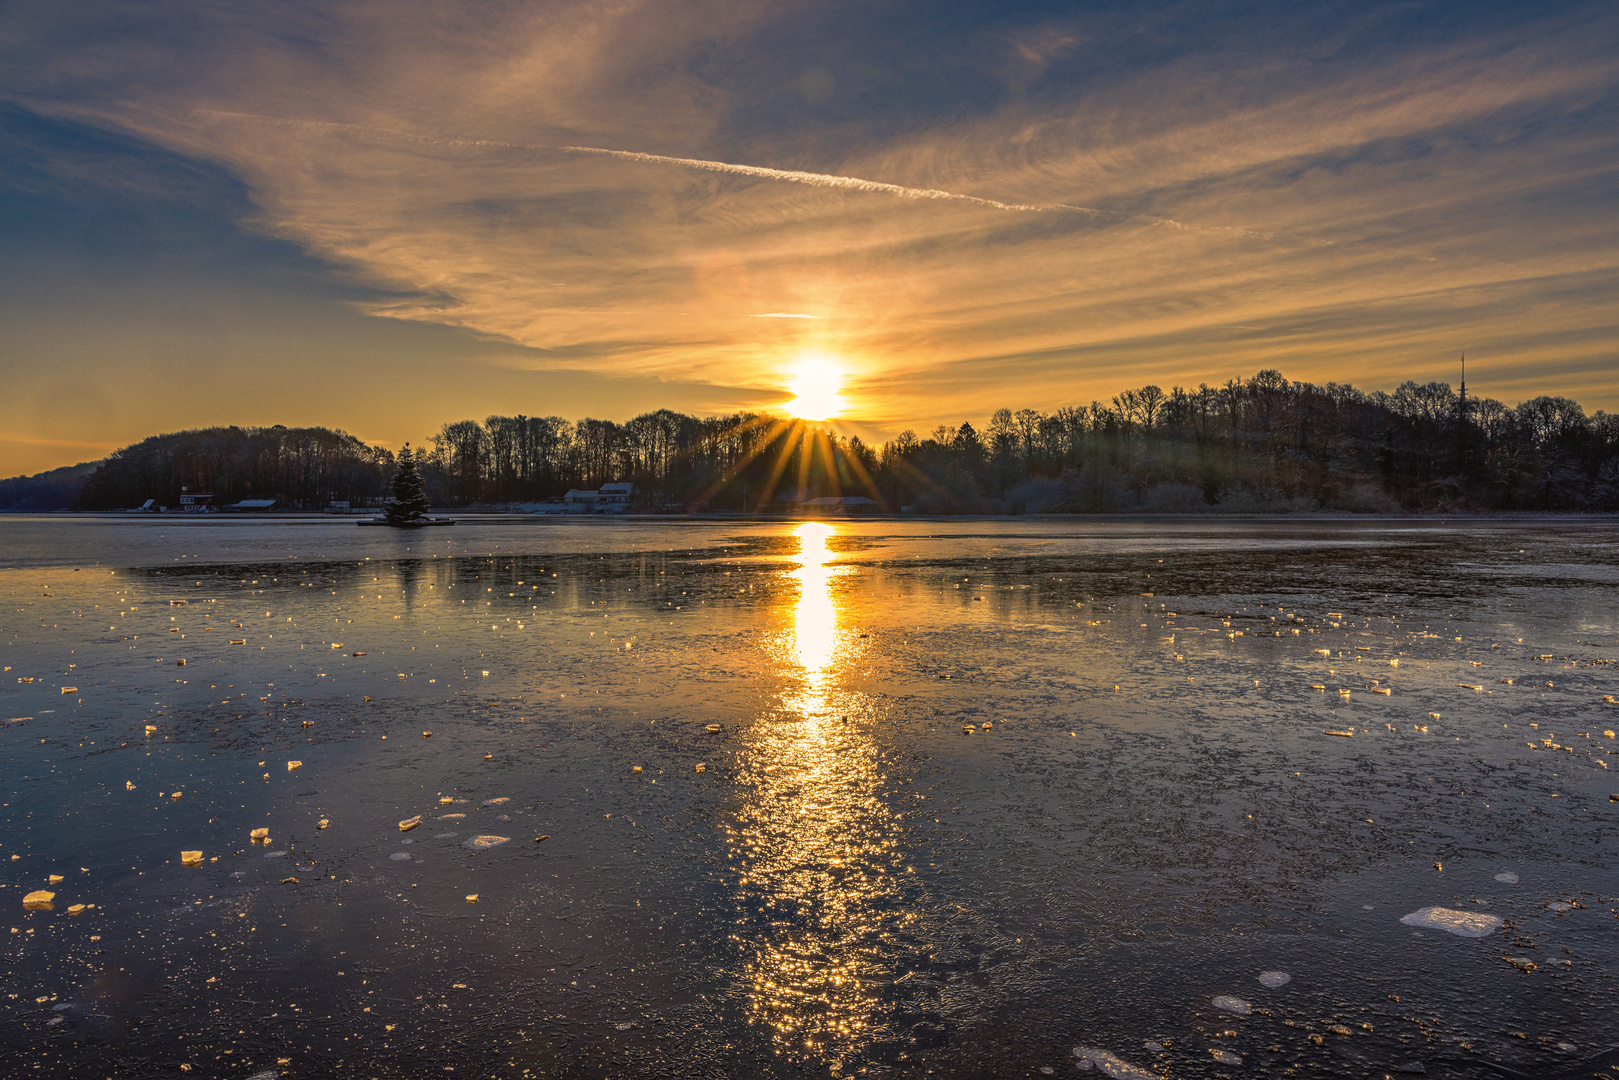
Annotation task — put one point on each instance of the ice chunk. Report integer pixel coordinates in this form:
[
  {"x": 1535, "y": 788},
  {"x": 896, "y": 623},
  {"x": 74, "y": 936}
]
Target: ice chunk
[
  {"x": 190, "y": 858},
  {"x": 400, "y": 856},
  {"x": 1507, "y": 877},
  {"x": 1227, "y": 1003},
  {"x": 39, "y": 900},
  {"x": 479, "y": 843},
  {"x": 1226, "y": 1057},
  {"x": 410, "y": 823},
  {"x": 1273, "y": 979},
  {"x": 1111, "y": 1064},
  {"x": 1461, "y": 923}
]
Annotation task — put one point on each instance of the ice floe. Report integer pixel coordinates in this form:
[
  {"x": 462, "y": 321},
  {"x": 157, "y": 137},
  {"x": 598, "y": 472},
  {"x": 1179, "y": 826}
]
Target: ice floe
[
  {"x": 1227, "y": 1003},
  {"x": 1461, "y": 923},
  {"x": 1273, "y": 979},
  {"x": 1110, "y": 1064}
]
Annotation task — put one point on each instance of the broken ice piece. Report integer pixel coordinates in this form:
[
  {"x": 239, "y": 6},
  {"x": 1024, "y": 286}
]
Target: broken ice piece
[
  {"x": 190, "y": 858},
  {"x": 259, "y": 834},
  {"x": 1472, "y": 924},
  {"x": 1273, "y": 979},
  {"x": 1226, "y": 1057},
  {"x": 1110, "y": 1064},
  {"x": 39, "y": 900},
  {"x": 1522, "y": 963},
  {"x": 496, "y": 802},
  {"x": 1340, "y": 734},
  {"x": 410, "y": 823},
  {"x": 713, "y": 728},
  {"x": 322, "y": 823},
  {"x": 75, "y": 909},
  {"x": 291, "y": 765},
  {"x": 472, "y": 898},
  {"x": 57, "y": 879},
  {"x": 1507, "y": 877},
  {"x": 400, "y": 856},
  {"x": 479, "y": 843},
  {"x": 1227, "y": 1003}
]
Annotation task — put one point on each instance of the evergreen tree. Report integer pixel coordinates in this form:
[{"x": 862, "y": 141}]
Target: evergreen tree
[{"x": 410, "y": 498}]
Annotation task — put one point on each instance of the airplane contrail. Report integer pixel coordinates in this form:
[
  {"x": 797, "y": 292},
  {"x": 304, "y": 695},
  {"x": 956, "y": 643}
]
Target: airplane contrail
[{"x": 852, "y": 183}]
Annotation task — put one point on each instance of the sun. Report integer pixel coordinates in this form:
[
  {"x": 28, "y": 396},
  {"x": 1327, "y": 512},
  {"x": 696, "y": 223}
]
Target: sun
[{"x": 815, "y": 384}]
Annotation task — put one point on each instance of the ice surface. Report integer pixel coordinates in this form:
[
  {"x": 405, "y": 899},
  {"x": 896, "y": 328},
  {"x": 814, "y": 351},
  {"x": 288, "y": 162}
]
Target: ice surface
[
  {"x": 1227, "y": 1003},
  {"x": 1273, "y": 979}
]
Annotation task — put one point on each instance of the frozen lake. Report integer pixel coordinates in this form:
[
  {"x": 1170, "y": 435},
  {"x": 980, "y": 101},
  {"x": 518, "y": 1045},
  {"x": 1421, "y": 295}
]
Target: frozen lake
[{"x": 971, "y": 799}]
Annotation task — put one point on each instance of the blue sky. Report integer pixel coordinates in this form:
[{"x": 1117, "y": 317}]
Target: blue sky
[{"x": 387, "y": 216}]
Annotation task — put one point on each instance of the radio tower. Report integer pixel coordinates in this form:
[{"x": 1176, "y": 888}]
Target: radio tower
[{"x": 1462, "y": 433}]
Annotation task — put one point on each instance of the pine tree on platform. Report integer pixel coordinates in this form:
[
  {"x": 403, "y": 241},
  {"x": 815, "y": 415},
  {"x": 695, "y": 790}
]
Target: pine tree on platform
[{"x": 409, "y": 503}]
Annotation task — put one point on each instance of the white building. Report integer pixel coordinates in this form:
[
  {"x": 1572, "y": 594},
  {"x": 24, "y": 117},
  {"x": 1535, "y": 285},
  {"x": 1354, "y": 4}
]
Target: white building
[{"x": 609, "y": 499}]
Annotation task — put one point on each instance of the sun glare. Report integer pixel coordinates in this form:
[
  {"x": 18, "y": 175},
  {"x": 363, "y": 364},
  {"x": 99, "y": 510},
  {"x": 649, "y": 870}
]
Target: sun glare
[{"x": 815, "y": 385}]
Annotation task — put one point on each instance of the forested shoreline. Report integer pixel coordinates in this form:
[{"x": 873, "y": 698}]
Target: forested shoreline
[{"x": 1260, "y": 445}]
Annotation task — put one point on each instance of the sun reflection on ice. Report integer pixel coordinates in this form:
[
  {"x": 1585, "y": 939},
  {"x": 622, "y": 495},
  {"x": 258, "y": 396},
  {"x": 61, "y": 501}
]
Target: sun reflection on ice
[
  {"x": 814, "y": 838},
  {"x": 815, "y": 617}
]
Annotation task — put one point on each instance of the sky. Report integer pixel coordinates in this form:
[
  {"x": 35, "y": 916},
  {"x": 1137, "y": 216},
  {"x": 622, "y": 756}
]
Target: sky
[{"x": 387, "y": 216}]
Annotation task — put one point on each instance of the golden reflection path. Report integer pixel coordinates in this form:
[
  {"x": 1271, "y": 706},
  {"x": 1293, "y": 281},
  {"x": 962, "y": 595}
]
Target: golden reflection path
[{"x": 821, "y": 915}]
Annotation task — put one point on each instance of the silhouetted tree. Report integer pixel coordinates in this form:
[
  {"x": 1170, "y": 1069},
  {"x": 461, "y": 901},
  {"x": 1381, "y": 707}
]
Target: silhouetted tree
[{"x": 410, "y": 497}]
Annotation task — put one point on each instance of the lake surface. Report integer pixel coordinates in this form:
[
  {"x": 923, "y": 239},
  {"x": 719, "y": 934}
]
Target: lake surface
[{"x": 970, "y": 799}]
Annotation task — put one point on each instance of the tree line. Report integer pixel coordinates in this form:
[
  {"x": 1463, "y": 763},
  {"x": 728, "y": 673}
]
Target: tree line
[
  {"x": 1263, "y": 445},
  {"x": 303, "y": 468}
]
